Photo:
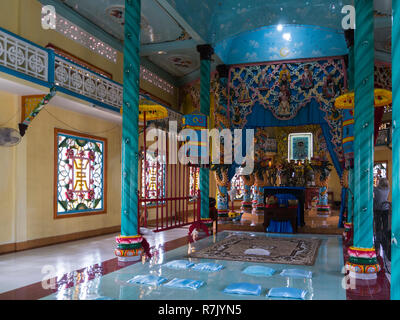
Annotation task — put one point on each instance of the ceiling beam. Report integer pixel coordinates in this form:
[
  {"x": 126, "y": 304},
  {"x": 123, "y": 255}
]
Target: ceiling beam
[
  {"x": 195, "y": 75},
  {"x": 154, "y": 48},
  {"x": 181, "y": 21}
]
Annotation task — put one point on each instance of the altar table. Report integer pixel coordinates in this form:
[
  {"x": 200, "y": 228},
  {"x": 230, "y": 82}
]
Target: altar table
[{"x": 298, "y": 192}]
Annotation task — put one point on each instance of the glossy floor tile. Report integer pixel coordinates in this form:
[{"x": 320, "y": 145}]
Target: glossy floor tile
[
  {"x": 24, "y": 268},
  {"x": 325, "y": 284}
]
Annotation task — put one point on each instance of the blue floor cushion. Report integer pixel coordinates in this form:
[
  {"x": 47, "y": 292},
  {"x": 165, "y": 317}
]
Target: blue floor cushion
[
  {"x": 149, "y": 279},
  {"x": 179, "y": 264},
  {"x": 243, "y": 288},
  {"x": 184, "y": 283},
  {"x": 259, "y": 271},
  {"x": 208, "y": 267},
  {"x": 296, "y": 273},
  {"x": 288, "y": 293}
]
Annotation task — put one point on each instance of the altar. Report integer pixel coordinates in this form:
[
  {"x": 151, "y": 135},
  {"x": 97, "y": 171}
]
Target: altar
[
  {"x": 298, "y": 192},
  {"x": 297, "y": 135}
]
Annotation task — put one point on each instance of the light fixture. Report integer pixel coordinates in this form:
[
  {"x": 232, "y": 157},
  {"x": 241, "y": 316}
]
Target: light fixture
[
  {"x": 279, "y": 27},
  {"x": 287, "y": 36}
]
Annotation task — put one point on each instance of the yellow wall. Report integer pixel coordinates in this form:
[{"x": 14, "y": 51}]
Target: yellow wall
[
  {"x": 40, "y": 160},
  {"x": 27, "y": 173},
  {"x": 8, "y": 111}
]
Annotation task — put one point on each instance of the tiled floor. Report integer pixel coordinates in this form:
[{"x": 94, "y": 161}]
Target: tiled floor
[
  {"x": 77, "y": 263},
  {"x": 326, "y": 283},
  {"x": 23, "y": 268}
]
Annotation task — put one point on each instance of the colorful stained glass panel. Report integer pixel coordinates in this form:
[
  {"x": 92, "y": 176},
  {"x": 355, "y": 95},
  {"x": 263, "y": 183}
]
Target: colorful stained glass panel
[
  {"x": 80, "y": 174},
  {"x": 153, "y": 179},
  {"x": 194, "y": 181}
]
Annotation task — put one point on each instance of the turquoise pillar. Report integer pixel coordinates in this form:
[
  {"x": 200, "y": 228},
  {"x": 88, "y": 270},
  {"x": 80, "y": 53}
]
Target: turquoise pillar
[
  {"x": 206, "y": 51},
  {"x": 129, "y": 243},
  {"x": 362, "y": 261},
  {"x": 395, "y": 259},
  {"x": 221, "y": 123},
  {"x": 350, "y": 79},
  {"x": 350, "y": 204}
]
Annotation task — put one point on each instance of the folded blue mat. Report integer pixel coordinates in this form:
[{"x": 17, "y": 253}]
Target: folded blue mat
[
  {"x": 149, "y": 279},
  {"x": 296, "y": 273},
  {"x": 184, "y": 283},
  {"x": 259, "y": 271},
  {"x": 291, "y": 293},
  {"x": 208, "y": 267},
  {"x": 243, "y": 288},
  {"x": 179, "y": 264}
]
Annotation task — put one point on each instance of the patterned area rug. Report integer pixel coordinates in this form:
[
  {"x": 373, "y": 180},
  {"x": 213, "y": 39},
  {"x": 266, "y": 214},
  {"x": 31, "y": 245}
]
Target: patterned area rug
[{"x": 297, "y": 251}]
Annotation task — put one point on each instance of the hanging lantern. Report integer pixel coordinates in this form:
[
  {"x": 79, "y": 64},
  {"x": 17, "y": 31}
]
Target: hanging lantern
[
  {"x": 196, "y": 150},
  {"x": 383, "y": 98},
  {"x": 153, "y": 111},
  {"x": 345, "y": 102}
]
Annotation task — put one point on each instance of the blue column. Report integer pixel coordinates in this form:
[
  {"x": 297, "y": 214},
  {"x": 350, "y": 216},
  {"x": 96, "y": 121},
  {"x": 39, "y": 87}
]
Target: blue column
[
  {"x": 130, "y": 119},
  {"x": 206, "y": 52},
  {"x": 364, "y": 124},
  {"x": 130, "y": 243},
  {"x": 350, "y": 204},
  {"x": 362, "y": 257},
  {"x": 350, "y": 80},
  {"x": 221, "y": 122},
  {"x": 395, "y": 259}
]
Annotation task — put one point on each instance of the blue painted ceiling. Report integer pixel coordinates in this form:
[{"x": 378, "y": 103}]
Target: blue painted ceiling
[
  {"x": 241, "y": 31},
  {"x": 216, "y": 20},
  {"x": 282, "y": 42}
]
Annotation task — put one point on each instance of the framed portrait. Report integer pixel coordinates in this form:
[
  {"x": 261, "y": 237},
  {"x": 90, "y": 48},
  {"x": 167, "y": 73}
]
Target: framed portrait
[{"x": 300, "y": 146}]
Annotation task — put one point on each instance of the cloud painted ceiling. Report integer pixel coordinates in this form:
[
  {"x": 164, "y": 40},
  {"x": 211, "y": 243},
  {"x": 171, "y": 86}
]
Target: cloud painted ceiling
[
  {"x": 282, "y": 42},
  {"x": 216, "y": 20}
]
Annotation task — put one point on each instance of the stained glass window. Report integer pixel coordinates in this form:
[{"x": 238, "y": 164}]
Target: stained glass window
[
  {"x": 194, "y": 181},
  {"x": 153, "y": 179},
  {"x": 237, "y": 183},
  {"x": 80, "y": 172}
]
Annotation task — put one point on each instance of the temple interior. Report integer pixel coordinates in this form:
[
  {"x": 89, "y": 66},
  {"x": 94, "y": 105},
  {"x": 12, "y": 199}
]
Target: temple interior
[{"x": 151, "y": 149}]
